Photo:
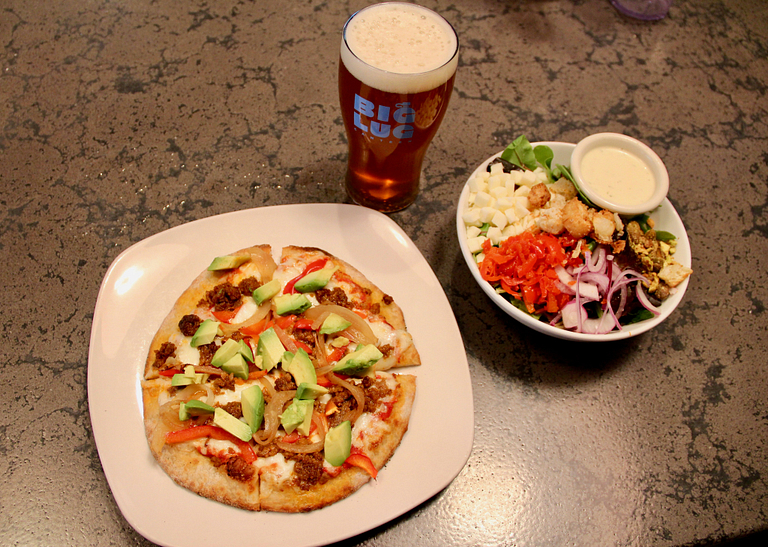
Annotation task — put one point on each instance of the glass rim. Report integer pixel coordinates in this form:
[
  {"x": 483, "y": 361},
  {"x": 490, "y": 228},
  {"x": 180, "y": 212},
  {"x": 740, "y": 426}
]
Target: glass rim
[{"x": 404, "y": 74}]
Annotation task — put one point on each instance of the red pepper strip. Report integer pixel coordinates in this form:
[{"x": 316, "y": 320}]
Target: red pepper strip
[
  {"x": 225, "y": 316},
  {"x": 362, "y": 461},
  {"x": 200, "y": 431},
  {"x": 337, "y": 354},
  {"x": 524, "y": 267},
  {"x": 257, "y": 328},
  {"x": 303, "y": 346},
  {"x": 285, "y": 321},
  {"x": 256, "y": 374},
  {"x": 169, "y": 372},
  {"x": 311, "y": 267},
  {"x": 323, "y": 381},
  {"x": 303, "y": 324}
]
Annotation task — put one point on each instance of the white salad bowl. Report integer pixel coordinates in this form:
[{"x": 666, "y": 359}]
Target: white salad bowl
[{"x": 665, "y": 218}]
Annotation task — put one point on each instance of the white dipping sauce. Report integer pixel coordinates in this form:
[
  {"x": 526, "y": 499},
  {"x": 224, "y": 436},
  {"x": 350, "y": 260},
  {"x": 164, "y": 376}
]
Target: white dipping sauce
[{"x": 617, "y": 175}]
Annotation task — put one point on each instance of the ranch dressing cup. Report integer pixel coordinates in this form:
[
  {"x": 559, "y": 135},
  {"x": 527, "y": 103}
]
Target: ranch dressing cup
[
  {"x": 619, "y": 173},
  {"x": 396, "y": 72}
]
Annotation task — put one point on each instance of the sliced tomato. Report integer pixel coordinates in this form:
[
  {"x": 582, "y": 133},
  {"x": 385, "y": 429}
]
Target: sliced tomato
[
  {"x": 363, "y": 462},
  {"x": 198, "y": 432}
]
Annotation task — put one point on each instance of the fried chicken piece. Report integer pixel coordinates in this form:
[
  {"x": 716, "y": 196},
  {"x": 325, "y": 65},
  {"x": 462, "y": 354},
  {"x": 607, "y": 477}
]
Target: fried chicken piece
[
  {"x": 603, "y": 227},
  {"x": 577, "y": 218}
]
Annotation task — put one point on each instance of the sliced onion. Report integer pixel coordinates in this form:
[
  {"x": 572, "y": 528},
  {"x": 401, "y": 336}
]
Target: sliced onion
[
  {"x": 169, "y": 415},
  {"x": 359, "y": 330},
  {"x": 260, "y": 313},
  {"x": 264, "y": 263},
  {"x": 288, "y": 342},
  {"x": 317, "y": 446},
  {"x": 643, "y": 298},
  {"x": 272, "y": 414},
  {"x": 356, "y": 391},
  {"x": 573, "y": 314},
  {"x": 602, "y": 325},
  {"x": 597, "y": 264},
  {"x": 599, "y": 279},
  {"x": 298, "y": 448}
]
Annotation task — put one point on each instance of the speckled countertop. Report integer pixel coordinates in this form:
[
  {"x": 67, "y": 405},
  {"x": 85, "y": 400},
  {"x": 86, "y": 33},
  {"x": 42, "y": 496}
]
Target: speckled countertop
[{"x": 121, "y": 119}]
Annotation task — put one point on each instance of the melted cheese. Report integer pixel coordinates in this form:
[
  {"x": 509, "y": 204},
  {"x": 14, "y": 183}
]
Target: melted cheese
[{"x": 275, "y": 469}]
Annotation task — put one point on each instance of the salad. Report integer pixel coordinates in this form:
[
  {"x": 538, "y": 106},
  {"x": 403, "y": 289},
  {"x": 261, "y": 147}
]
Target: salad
[{"x": 556, "y": 256}]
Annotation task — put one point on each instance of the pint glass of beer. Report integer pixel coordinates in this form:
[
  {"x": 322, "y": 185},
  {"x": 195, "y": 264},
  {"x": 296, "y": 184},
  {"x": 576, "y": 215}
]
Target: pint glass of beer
[{"x": 396, "y": 72}]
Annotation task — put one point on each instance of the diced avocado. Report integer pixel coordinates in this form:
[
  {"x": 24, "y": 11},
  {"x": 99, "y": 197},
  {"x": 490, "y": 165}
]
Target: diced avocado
[
  {"x": 310, "y": 391},
  {"x": 205, "y": 333},
  {"x": 270, "y": 349},
  {"x": 358, "y": 360},
  {"x": 226, "y": 421},
  {"x": 338, "y": 443},
  {"x": 188, "y": 377},
  {"x": 339, "y": 341},
  {"x": 228, "y": 262},
  {"x": 245, "y": 351},
  {"x": 334, "y": 323},
  {"x": 181, "y": 380},
  {"x": 301, "y": 368},
  {"x": 298, "y": 415},
  {"x": 291, "y": 303},
  {"x": 266, "y": 291},
  {"x": 226, "y": 351},
  {"x": 193, "y": 407},
  {"x": 252, "y": 403},
  {"x": 314, "y": 280},
  {"x": 236, "y": 366}
]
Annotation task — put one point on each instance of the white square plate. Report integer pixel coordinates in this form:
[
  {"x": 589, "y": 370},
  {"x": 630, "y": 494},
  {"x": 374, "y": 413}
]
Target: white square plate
[{"x": 138, "y": 291}]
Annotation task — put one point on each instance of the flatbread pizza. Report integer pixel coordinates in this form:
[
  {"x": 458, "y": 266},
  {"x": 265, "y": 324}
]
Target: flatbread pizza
[{"x": 276, "y": 385}]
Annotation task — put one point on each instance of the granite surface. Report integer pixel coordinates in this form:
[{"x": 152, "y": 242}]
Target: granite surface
[{"x": 121, "y": 119}]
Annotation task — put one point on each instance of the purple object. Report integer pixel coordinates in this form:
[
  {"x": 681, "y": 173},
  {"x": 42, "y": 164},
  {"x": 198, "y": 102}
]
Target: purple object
[{"x": 647, "y": 10}]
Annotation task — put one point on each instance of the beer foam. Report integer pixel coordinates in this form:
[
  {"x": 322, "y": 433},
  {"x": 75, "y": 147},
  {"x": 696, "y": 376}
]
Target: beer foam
[{"x": 399, "y": 48}]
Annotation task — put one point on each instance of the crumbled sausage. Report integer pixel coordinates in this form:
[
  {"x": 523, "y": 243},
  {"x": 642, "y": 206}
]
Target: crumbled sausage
[
  {"x": 234, "y": 408},
  {"x": 344, "y": 401},
  {"x": 248, "y": 285},
  {"x": 387, "y": 299},
  {"x": 304, "y": 336},
  {"x": 167, "y": 349},
  {"x": 225, "y": 381},
  {"x": 332, "y": 296},
  {"x": 284, "y": 383},
  {"x": 374, "y": 391},
  {"x": 206, "y": 353},
  {"x": 189, "y": 324},
  {"x": 308, "y": 468},
  {"x": 239, "y": 469},
  {"x": 223, "y": 297}
]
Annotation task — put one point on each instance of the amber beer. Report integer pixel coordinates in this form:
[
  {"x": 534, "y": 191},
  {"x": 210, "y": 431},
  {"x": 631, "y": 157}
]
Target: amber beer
[{"x": 396, "y": 72}]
